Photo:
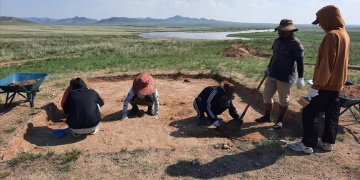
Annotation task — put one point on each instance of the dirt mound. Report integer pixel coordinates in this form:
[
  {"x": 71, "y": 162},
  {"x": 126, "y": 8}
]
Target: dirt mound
[
  {"x": 351, "y": 92},
  {"x": 239, "y": 50}
]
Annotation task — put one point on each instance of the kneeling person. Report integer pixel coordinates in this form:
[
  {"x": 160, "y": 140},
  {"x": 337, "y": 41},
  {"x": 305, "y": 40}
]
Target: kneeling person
[
  {"x": 143, "y": 93},
  {"x": 213, "y": 101},
  {"x": 82, "y": 107}
]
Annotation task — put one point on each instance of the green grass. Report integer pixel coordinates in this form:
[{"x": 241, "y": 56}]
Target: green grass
[
  {"x": 23, "y": 157},
  {"x": 67, "y": 50},
  {"x": 10, "y": 129}
]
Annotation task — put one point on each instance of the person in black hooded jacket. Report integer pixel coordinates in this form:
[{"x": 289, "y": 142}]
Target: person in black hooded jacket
[
  {"x": 82, "y": 107},
  {"x": 214, "y": 100}
]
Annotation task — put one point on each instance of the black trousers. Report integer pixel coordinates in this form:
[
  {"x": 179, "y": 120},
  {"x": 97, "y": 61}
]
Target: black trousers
[
  {"x": 328, "y": 102},
  {"x": 148, "y": 100},
  {"x": 198, "y": 107}
]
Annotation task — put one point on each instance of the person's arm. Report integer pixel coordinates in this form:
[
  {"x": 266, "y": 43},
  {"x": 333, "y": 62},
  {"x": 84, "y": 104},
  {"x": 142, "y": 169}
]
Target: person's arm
[
  {"x": 326, "y": 59},
  {"x": 232, "y": 111},
  {"x": 99, "y": 100},
  {"x": 129, "y": 96},
  {"x": 209, "y": 102},
  {"x": 156, "y": 109},
  {"x": 300, "y": 66},
  {"x": 64, "y": 96},
  {"x": 67, "y": 105}
]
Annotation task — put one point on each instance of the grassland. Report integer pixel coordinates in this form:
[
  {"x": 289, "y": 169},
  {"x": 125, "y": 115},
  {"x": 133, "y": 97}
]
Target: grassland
[{"x": 61, "y": 50}]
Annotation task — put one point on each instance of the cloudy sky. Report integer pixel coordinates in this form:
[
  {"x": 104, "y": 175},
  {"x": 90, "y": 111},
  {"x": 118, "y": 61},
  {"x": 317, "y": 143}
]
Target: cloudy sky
[{"x": 252, "y": 11}]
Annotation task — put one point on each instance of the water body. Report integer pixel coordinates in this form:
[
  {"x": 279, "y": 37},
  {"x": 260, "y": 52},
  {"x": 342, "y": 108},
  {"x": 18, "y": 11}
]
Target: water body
[{"x": 201, "y": 35}]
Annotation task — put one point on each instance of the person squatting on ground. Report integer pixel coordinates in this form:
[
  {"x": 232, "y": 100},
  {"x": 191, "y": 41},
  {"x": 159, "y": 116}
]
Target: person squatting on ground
[
  {"x": 288, "y": 53},
  {"x": 144, "y": 93},
  {"x": 214, "y": 100},
  {"x": 82, "y": 107},
  {"x": 329, "y": 77}
]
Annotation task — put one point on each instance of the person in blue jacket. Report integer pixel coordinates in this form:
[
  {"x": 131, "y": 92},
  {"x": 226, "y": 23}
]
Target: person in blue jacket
[
  {"x": 82, "y": 107},
  {"x": 213, "y": 101}
]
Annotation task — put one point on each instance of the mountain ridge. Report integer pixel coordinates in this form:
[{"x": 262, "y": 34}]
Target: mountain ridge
[{"x": 176, "y": 20}]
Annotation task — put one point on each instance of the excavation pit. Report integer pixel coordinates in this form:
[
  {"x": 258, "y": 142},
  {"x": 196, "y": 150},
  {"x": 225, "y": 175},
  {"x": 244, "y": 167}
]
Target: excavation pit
[{"x": 175, "y": 127}]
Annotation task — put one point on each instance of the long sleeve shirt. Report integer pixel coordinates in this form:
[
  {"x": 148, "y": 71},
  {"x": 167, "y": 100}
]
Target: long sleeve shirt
[{"x": 131, "y": 94}]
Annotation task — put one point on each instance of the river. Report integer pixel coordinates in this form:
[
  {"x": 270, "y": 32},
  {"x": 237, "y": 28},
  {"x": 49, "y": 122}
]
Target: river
[{"x": 201, "y": 35}]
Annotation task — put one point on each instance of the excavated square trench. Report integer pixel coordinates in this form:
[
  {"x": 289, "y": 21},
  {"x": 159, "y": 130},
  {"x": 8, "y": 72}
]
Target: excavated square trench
[{"x": 175, "y": 127}]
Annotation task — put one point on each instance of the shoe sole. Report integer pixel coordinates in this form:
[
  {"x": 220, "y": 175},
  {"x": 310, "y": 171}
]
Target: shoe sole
[
  {"x": 325, "y": 149},
  {"x": 297, "y": 150}
]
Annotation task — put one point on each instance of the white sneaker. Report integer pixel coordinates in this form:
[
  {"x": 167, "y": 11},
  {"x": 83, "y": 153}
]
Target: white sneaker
[
  {"x": 325, "y": 146},
  {"x": 299, "y": 146},
  {"x": 278, "y": 125}
]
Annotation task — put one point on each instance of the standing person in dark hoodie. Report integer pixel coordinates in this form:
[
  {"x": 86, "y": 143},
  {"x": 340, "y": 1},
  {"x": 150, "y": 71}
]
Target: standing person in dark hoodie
[
  {"x": 329, "y": 77},
  {"x": 214, "y": 100},
  {"x": 82, "y": 107},
  {"x": 287, "y": 56}
]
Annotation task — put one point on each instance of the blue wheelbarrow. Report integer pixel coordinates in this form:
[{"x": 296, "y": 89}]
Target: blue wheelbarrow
[
  {"x": 24, "y": 84},
  {"x": 344, "y": 102},
  {"x": 348, "y": 103}
]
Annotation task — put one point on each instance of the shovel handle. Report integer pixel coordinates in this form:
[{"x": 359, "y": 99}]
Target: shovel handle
[{"x": 252, "y": 97}]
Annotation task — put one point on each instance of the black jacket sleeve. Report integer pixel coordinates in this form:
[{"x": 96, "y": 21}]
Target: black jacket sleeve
[{"x": 232, "y": 111}]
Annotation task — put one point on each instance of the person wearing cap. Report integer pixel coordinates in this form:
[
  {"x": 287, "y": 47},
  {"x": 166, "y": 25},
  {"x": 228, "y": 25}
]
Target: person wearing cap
[
  {"x": 143, "y": 92},
  {"x": 330, "y": 74},
  {"x": 214, "y": 100},
  {"x": 288, "y": 53},
  {"x": 82, "y": 107}
]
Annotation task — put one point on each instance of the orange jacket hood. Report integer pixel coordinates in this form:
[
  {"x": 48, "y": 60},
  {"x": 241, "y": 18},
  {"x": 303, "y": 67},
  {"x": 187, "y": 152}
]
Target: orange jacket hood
[
  {"x": 333, "y": 54},
  {"x": 330, "y": 18}
]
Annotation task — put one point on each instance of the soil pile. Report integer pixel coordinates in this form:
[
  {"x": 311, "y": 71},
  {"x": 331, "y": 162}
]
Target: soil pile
[
  {"x": 239, "y": 50},
  {"x": 23, "y": 83},
  {"x": 351, "y": 92}
]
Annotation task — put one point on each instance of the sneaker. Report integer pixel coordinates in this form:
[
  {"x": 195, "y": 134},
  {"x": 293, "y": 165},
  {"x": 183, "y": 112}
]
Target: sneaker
[
  {"x": 75, "y": 135},
  {"x": 325, "y": 146},
  {"x": 95, "y": 131},
  {"x": 263, "y": 119},
  {"x": 278, "y": 125},
  {"x": 299, "y": 146},
  {"x": 150, "y": 111}
]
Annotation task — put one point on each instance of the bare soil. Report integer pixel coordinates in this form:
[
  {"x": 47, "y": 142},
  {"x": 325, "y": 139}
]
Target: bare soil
[
  {"x": 173, "y": 146},
  {"x": 240, "y": 50},
  {"x": 351, "y": 92}
]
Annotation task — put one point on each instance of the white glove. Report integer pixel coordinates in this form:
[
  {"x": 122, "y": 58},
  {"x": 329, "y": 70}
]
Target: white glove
[
  {"x": 312, "y": 93},
  {"x": 266, "y": 71},
  {"x": 300, "y": 83}
]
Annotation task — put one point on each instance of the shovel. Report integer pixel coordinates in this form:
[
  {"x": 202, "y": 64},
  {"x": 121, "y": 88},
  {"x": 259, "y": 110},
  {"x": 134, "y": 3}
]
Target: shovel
[
  {"x": 59, "y": 133},
  {"x": 252, "y": 98}
]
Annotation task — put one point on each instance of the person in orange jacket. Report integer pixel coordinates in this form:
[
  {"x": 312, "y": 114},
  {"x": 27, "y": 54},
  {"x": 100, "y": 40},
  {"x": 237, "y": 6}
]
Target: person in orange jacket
[{"x": 329, "y": 77}]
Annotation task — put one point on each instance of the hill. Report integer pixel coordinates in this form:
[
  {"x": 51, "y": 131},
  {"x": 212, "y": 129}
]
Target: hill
[
  {"x": 75, "y": 20},
  {"x": 13, "y": 21},
  {"x": 126, "y": 21}
]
